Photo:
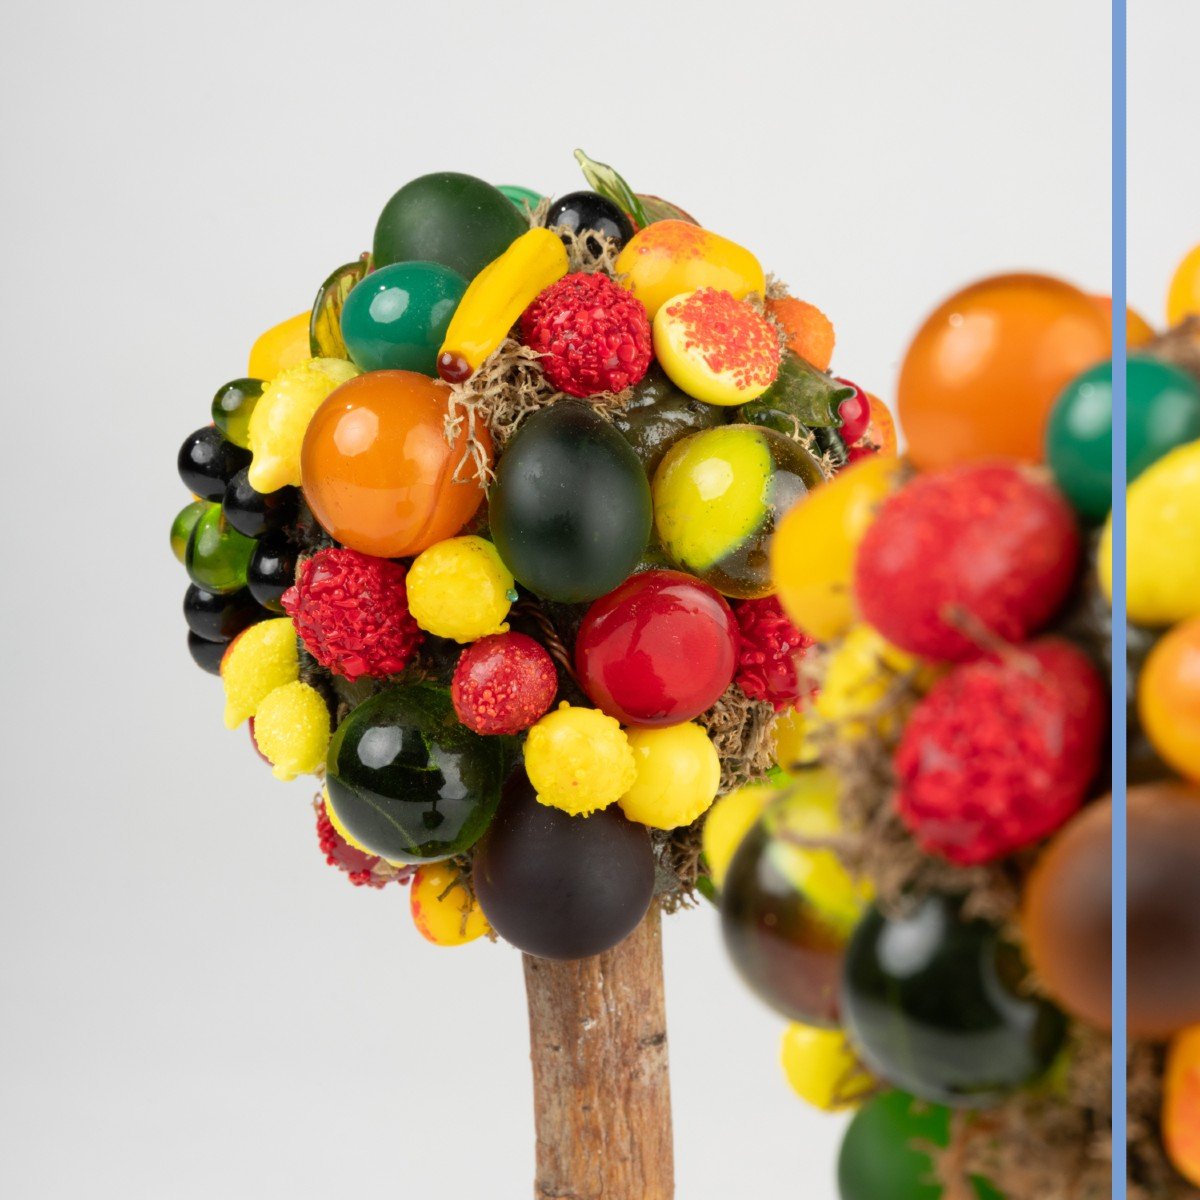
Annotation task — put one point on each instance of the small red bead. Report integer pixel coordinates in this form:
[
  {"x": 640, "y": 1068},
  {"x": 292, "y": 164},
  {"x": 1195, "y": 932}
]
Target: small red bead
[
  {"x": 658, "y": 650},
  {"x": 771, "y": 650},
  {"x": 593, "y": 335},
  {"x": 351, "y": 611},
  {"x": 503, "y": 684},
  {"x": 999, "y": 754},
  {"x": 855, "y": 412}
]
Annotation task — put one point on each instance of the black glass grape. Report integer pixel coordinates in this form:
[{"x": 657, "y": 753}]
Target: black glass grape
[
  {"x": 272, "y": 570},
  {"x": 205, "y": 654},
  {"x": 220, "y": 618},
  {"x": 254, "y": 513},
  {"x": 589, "y": 210},
  {"x": 207, "y": 462}
]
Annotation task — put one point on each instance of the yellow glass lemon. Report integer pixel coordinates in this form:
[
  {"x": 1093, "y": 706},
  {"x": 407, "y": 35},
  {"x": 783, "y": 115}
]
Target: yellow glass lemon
[
  {"x": 678, "y": 773},
  {"x": 794, "y": 744},
  {"x": 443, "y": 909},
  {"x": 282, "y": 346},
  {"x": 728, "y": 822},
  {"x": 282, "y": 414},
  {"x": 822, "y": 1068},
  {"x": 578, "y": 759},
  {"x": 459, "y": 589},
  {"x": 291, "y": 728},
  {"x": 814, "y": 549},
  {"x": 1183, "y": 297},
  {"x": 257, "y": 662}
]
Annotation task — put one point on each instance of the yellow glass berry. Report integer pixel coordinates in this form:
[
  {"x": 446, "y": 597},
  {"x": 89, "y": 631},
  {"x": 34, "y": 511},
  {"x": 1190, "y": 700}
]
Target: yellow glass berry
[
  {"x": 282, "y": 414},
  {"x": 579, "y": 760},
  {"x": 291, "y": 728},
  {"x": 794, "y": 743},
  {"x": 460, "y": 589},
  {"x": 728, "y": 822},
  {"x": 256, "y": 663},
  {"x": 443, "y": 909},
  {"x": 860, "y": 692},
  {"x": 1183, "y": 297},
  {"x": 823, "y": 1069},
  {"x": 678, "y": 773},
  {"x": 282, "y": 346}
]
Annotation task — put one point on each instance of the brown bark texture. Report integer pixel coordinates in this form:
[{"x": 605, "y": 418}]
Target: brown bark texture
[{"x": 601, "y": 1087}]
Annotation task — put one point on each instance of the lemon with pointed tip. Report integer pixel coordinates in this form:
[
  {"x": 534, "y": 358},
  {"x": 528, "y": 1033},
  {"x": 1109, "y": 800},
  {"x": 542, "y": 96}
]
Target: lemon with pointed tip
[
  {"x": 257, "y": 662},
  {"x": 291, "y": 728},
  {"x": 282, "y": 346}
]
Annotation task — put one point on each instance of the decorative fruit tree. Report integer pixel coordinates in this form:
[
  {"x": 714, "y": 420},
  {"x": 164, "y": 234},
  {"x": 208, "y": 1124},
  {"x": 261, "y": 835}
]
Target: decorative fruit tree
[
  {"x": 928, "y": 901},
  {"x": 481, "y": 540}
]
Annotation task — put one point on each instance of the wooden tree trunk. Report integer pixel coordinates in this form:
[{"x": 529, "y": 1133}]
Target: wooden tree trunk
[{"x": 601, "y": 1088}]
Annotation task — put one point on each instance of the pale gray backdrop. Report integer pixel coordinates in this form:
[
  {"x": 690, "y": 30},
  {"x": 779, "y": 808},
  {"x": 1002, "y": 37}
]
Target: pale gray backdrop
[{"x": 193, "y": 1004}]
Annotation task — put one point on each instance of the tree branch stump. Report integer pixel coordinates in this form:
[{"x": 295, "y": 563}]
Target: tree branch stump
[{"x": 601, "y": 1087}]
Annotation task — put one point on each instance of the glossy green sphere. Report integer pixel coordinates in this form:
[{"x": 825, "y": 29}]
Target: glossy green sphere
[
  {"x": 939, "y": 1005},
  {"x": 885, "y": 1151},
  {"x": 184, "y": 523},
  {"x": 1079, "y": 442},
  {"x": 217, "y": 555},
  {"x": 526, "y": 199},
  {"x": 231, "y": 409},
  {"x": 456, "y": 220},
  {"x": 570, "y": 506},
  {"x": 1163, "y": 410},
  {"x": 396, "y": 318},
  {"x": 409, "y": 781}
]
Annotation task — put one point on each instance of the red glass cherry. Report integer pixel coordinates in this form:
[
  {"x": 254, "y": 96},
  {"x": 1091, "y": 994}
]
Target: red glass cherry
[
  {"x": 657, "y": 650},
  {"x": 855, "y": 412}
]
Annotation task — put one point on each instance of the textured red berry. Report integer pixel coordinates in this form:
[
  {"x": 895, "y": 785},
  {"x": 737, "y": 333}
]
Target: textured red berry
[
  {"x": 593, "y": 335},
  {"x": 362, "y": 869},
  {"x": 351, "y": 611},
  {"x": 1000, "y": 753},
  {"x": 771, "y": 650},
  {"x": 961, "y": 558},
  {"x": 855, "y": 412},
  {"x": 503, "y": 684}
]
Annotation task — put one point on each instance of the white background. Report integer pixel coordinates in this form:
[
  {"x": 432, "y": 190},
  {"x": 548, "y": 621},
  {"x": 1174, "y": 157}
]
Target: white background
[{"x": 193, "y": 1005}]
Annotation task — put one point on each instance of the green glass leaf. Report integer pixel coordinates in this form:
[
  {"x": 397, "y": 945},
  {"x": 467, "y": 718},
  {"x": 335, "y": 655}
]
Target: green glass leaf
[
  {"x": 603, "y": 179},
  {"x": 325, "y": 326},
  {"x": 658, "y": 209},
  {"x": 800, "y": 391}
]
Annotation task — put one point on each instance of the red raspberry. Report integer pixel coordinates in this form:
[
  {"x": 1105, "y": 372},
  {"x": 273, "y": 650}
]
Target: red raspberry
[
  {"x": 961, "y": 558},
  {"x": 503, "y": 683},
  {"x": 771, "y": 649},
  {"x": 1001, "y": 753},
  {"x": 593, "y": 336},
  {"x": 362, "y": 869},
  {"x": 351, "y": 610}
]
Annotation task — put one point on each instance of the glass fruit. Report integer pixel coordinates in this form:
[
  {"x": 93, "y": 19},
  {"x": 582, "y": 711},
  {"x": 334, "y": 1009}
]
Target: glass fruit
[
  {"x": 718, "y": 497},
  {"x": 207, "y": 462},
  {"x": 1183, "y": 297},
  {"x": 408, "y": 781},
  {"x": 184, "y": 523},
  {"x": 280, "y": 347},
  {"x": 1168, "y": 697},
  {"x": 217, "y": 555},
  {"x": 939, "y": 1005},
  {"x": 377, "y": 471},
  {"x": 657, "y": 650},
  {"x": 1079, "y": 442},
  {"x": 983, "y": 371},
  {"x": 231, "y": 409},
  {"x": 659, "y": 414},
  {"x": 271, "y": 569}
]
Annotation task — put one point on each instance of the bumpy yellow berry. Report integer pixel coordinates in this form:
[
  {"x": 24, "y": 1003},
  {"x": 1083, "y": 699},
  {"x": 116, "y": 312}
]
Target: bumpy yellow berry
[
  {"x": 678, "y": 773},
  {"x": 282, "y": 414},
  {"x": 822, "y": 1068},
  {"x": 443, "y": 909},
  {"x": 259, "y": 660},
  {"x": 291, "y": 728},
  {"x": 282, "y": 346},
  {"x": 728, "y": 822},
  {"x": 460, "y": 589},
  {"x": 579, "y": 760}
]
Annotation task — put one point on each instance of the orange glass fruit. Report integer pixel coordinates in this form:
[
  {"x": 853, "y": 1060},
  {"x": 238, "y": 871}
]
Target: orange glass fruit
[
  {"x": 1137, "y": 329},
  {"x": 1169, "y": 698},
  {"x": 377, "y": 470},
  {"x": 882, "y": 429},
  {"x": 984, "y": 370}
]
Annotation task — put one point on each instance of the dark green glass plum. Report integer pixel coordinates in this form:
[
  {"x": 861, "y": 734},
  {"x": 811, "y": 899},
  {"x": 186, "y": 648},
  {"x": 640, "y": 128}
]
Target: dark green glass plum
[
  {"x": 562, "y": 887},
  {"x": 217, "y": 555},
  {"x": 184, "y": 523},
  {"x": 271, "y": 570},
  {"x": 939, "y": 1005},
  {"x": 231, "y": 409},
  {"x": 220, "y": 618},
  {"x": 659, "y": 414},
  {"x": 409, "y": 781},
  {"x": 396, "y": 318},
  {"x": 885, "y": 1152},
  {"x": 207, "y": 462},
  {"x": 456, "y": 220},
  {"x": 254, "y": 513},
  {"x": 570, "y": 509},
  {"x": 205, "y": 654}
]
